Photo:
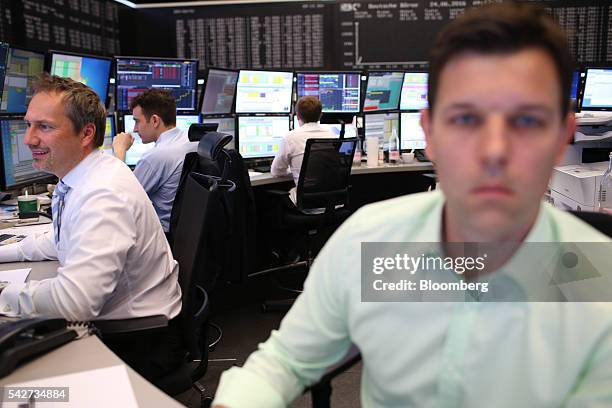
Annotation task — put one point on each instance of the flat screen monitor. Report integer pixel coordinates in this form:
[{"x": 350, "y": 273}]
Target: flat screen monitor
[
  {"x": 264, "y": 92},
  {"x": 381, "y": 125},
  {"x": 350, "y": 130},
  {"x": 227, "y": 126},
  {"x": 4, "y": 51},
  {"x": 260, "y": 136},
  {"x": 92, "y": 71},
  {"x": 414, "y": 91},
  {"x": 136, "y": 75},
  {"x": 109, "y": 134},
  {"x": 219, "y": 91},
  {"x": 338, "y": 92},
  {"x": 22, "y": 67},
  {"x": 183, "y": 122},
  {"x": 411, "y": 132},
  {"x": 17, "y": 162},
  {"x": 383, "y": 91},
  {"x": 138, "y": 149},
  {"x": 597, "y": 94}
]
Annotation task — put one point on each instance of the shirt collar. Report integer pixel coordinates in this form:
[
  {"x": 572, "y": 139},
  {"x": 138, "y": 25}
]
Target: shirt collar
[
  {"x": 78, "y": 172},
  {"x": 169, "y": 136}
]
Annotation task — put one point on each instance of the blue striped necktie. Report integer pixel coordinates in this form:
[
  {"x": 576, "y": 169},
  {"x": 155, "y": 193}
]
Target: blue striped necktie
[{"x": 57, "y": 206}]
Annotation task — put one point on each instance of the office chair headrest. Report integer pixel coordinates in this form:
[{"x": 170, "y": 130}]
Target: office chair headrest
[
  {"x": 198, "y": 130},
  {"x": 212, "y": 144}
]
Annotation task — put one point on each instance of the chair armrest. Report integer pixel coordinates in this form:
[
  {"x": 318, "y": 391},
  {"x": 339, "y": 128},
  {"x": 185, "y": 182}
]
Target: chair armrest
[{"x": 130, "y": 326}]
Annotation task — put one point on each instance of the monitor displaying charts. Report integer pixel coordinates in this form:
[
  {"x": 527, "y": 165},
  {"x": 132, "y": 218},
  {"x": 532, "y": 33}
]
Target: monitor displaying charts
[
  {"x": 22, "y": 67},
  {"x": 597, "y": 94},
  {"x": 260, "y": 136},
  {"x": 383, "y": 91},
  {"x": 109, "y": 134},
  {"x": 414, "y": 91},
  {"x": 264, "y": 92},
  {"x": 92, "y": 71},
  {"x": 411, "y": 135},
  {"x": 183, "y": 122},
  {"x": 219, "y": 91},
  {"x": 338, "y": 92},
  {"x": 382, "y": 125}
]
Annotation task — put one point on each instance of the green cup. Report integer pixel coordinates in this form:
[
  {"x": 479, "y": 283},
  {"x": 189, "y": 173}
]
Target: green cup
[{"x": 27, "y": 204}]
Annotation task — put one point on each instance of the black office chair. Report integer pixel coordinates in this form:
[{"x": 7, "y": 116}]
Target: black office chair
[
  {"x": 600, "y": 221},
  {"x": 321, "y": 205}
]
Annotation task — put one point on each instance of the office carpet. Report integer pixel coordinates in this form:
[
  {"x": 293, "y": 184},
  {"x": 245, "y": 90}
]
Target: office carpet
[{"x": 244, "y": 326}]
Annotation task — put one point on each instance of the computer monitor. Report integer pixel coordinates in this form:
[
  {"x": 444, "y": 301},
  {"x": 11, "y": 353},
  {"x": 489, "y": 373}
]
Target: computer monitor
[
  {"x": 184, "y": 121},
  {"x": 350, "y": 130},
  {"x": 90, "y": 70},
  {"x": 264, "y": 92},
  {"x": 17, "y": 162},
  {"x": 597, "y": 94},
  {"x": 260, "y": 136},
  {"x": 138, "y": 149},
  {"x": 383, "y": 91},
  {"x": 22, "y": 67},
  {"x": 227, "y": 126},
  {"x": 4, "y": 50},
  {"x": 219, "y": 91},
  {"x": 381, "y": 125},
  {"x": 411, "y": 132},
  {"x": 414, "y": 91},
  {"x": 338, "y": 92},
  {"x": 136, "y": 75},
  {"x": 109, "y": 134}
]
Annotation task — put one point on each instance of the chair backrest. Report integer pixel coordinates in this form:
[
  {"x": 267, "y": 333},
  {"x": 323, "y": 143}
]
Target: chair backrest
[
  {"x": 600, "y": 221},
  {"x": 325, "y": 173}
]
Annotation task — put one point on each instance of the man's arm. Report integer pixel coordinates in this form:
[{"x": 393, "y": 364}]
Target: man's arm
[
  {"x": 148, "y": 175},
  {"x": 313, "y": 336},
  {"x": 103, "y": 233},
  {"x": 121, "y": 144},
  {"x": 35, "y": 247},
  {"x": 280, "y": 164}
]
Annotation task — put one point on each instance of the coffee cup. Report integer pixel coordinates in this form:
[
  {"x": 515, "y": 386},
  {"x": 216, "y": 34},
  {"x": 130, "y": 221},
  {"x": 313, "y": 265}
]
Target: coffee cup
[{"x": 27, "y": 204}]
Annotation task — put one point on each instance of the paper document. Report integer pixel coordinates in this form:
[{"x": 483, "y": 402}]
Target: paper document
[
  {"x": 15, "y": 275},
  {"x": 103, "y": 388}
]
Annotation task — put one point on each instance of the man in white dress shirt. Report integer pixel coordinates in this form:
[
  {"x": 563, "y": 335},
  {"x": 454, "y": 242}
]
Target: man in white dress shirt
[
  {"x": 114, "y": 261},
  {"x": 288, "y": 159},
  {"x": 159, "y": 170}
]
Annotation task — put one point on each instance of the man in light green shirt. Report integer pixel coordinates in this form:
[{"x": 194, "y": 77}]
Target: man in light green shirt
[{"x": 498, "y": 122}]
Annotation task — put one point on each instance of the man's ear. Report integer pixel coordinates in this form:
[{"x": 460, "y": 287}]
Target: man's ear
[
  {"x": 426, "y": 125},
  {"x": 569, "y": 130},
  {"x": 88, "y": 135}
]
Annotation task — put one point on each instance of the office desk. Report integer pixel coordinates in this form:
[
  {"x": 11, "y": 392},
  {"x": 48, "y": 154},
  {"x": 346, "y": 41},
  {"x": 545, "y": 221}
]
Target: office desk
[{"x": 80, "y": 355}]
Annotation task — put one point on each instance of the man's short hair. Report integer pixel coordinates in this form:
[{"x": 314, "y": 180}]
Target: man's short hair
[
  {"x": 156, "y": 102},
  {"x": 502, "y": 29},
  {"x": 309, "y": 108},
  {"x": 81, "y": 103}
]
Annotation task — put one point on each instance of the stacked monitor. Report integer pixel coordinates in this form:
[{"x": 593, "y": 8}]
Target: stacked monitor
[
  {"x": 226, "y": 125},
  {"x": 135, "y": 75},
  {"x": 264, "y": 92},
  {"x": 260, "y": 136},
  {"x": 382, "y": 125},
  {"x": 383, "y": 91},
  {"x": 109, "y": 134},
  {"x": 22, "y": 67},
  {"x": 411, "y": 135},
  {"x": 597, "y": 93},
  {"x": 219, "y": 91},
  {"x": 339, "y": 92},
  {"x": 17, "y": 162},
  {"x": 92, "y": 71},
  {"x": 414, "y": 91}
]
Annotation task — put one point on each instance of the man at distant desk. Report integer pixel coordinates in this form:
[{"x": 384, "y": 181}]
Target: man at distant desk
[
  {"x": 114, "y": 261},
  {"x": 288, "y": 159},
  {"x": 159, "y": 171},
  {"x": 498, "y": 121}
]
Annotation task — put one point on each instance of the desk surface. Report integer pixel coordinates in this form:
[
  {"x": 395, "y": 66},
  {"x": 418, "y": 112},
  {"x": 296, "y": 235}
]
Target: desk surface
[
  {"x": 88, "y": 353},
  {"x": 267, "y": 178}
]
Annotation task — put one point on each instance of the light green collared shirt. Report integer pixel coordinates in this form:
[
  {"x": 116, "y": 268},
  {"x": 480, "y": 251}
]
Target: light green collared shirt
[{"x": 521, "y": 354}]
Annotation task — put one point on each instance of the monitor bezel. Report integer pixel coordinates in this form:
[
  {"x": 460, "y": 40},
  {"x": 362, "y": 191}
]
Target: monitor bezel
[
  {"x": 348, "y": 71},
  {"x": 201, "y": 101},
  {"x": 259, "y": 115},
  {"x": 582, "y": 87},
  {"x": 414, "y": 71},
  {"x": 27, "y": 49},
  {"x": 118, "y": 57},
  {"x": 365, "y": 93},
  {"x": 265, "y": 113},
  {"x": 49, "y": 61},
  {"x": 46, "y": 177}
]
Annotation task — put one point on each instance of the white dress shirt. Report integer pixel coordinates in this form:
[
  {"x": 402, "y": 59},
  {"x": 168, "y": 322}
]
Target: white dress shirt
[
  {"x": 433, "y": 354},
  {"x": 159, "y": 171},
  {"x": 114, "y": 260},
  {"x": 288, "y": 159}
]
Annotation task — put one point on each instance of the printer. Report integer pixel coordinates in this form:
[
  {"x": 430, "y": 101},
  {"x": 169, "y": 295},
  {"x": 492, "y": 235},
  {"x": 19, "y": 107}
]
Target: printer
[{"x": 575, "y": 186}]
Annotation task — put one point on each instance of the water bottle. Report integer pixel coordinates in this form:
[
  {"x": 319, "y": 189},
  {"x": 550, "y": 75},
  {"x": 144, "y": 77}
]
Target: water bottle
[
  {"x": 381, "y": 153},
  {"x": 394, "y": 148},
  {"x": 604, "y": 196},
  {"x": 357, "y": 156}
]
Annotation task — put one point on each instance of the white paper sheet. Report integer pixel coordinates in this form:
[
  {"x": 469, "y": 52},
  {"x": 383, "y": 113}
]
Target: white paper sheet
[
  {"x": 15, "y": 275},
  {"x": 103, "y": 388}
]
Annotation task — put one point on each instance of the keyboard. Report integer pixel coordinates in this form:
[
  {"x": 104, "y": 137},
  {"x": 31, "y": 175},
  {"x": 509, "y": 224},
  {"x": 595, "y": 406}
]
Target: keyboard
[{"x": 265, "y": 168}]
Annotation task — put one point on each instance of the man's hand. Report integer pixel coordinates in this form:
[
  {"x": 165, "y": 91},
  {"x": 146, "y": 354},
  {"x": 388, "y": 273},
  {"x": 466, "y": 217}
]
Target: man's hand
[{"x": 121, "y": 144}]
